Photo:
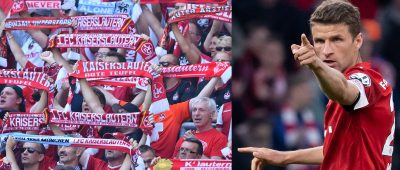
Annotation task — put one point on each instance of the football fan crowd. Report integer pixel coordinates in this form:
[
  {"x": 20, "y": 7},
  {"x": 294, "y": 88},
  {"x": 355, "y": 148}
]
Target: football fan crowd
[{"x": 115, "y": 84}]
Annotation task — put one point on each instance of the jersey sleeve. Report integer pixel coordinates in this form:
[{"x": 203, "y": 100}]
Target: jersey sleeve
[
  {"x": 219, "y": 144},
  {"x": 371, "y": 87}
]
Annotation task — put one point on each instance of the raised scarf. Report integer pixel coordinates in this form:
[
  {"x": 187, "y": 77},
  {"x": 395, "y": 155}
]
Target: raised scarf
[
  {"x": 213, "y": 69},
  {"x": 94, "y": 69},
  {"x": 128, "y": 41},
  {"x": 221, "y": 13}
]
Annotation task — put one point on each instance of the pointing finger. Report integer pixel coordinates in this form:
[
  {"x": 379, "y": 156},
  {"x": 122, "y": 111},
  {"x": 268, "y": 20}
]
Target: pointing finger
[
  {"x": 304, "y": 40},
  {"x": 247, "y": 150},
  {"x": 294, "y": 48}
]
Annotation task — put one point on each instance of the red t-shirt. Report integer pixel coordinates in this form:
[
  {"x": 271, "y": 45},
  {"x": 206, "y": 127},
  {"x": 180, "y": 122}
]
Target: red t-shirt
[
  {"x": 363, "y": 137},
  {"x": 121, "y": 93},
  {"x": 213, "y": 142},
  {"x": 48, "y": 163},
  {"x": 95, "y": 164},
  {"x": 224, "y": 118},
  {"x": 168, "y": 125}
]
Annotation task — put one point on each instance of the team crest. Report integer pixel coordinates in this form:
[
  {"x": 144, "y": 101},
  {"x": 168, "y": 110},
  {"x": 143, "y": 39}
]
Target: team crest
[
  {"x": 227, "y": 95},
  {"x": 363, "y": 78},
  {"x": 176, "y": 96}
]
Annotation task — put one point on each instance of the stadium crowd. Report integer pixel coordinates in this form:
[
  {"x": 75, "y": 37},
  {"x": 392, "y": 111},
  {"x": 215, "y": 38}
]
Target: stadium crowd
[{"x": 115, "y": 84}]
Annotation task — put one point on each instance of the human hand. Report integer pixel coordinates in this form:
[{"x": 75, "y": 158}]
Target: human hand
[
  {"x": 305, "y": 53},
  {"x": 263, "y": 156},
  {"x": 189, "y": 134},
  {"x": 11, "y": 142},
  {"x": 47, "y": 56}
]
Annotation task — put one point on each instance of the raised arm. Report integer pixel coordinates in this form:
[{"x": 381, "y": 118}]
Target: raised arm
[
  {"x": 41, "y": 104},
  {"x": 332, "y": 82},
  {"x": 153, "y": 22},
  {"x": 40, "y": 37},
  {"x": 10, "y": 153},
  {"x": 90, "y": 97},
  {"x": 191, "y": 51},
  {"x": 16, "y": 50},
  {"x": 209, "y": 88},
  {"x": 216, "y": 26}
]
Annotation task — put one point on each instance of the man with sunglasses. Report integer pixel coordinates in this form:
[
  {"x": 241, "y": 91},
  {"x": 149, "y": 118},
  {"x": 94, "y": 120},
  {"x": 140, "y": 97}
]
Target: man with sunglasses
[
  {"x": 31, "y": 155},
  {"x": 191, "y": 148}
]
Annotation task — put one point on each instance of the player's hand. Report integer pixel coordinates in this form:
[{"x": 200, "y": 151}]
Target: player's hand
[
  {"x": 189, "y": 134},
  {"x": 263, "y": 156},
  {"x": 305, "y": 53}
]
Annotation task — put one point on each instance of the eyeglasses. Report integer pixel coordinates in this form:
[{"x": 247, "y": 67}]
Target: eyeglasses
[
  {"x": 30, "y": 150},
  {"x": 186, "y": 150},
  {"x": 163, "y": 63},
  {"x": 225, "y": 48}
]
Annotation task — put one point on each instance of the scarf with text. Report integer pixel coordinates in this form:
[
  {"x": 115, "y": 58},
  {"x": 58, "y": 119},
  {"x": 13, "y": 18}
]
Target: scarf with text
[
  {"x": 110, "y": 144},
  {"x": 99, "y": 119},
  {"x": 177, "y": 164},
  {"x": 213, "y": 69},
  {"x": 23, "y": 5},
  {"x": 19, "y": 121},
  {"x": 126, "y": 69},
  {"x": 92, "y": 23},
  {"x": 221, "y": 13},
  {"x": 37, "y": 80},
  {"x": 134, "y": 42},
  {"x": 133, "y": 82}
]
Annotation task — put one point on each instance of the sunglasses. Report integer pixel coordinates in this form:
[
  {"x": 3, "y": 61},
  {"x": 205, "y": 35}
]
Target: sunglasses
[
  {"x": 163, "y": 63},
  {"x": 30, "y": 150},
  {"x": 186, "y": 150},
  {"x": 224, "y": 48}
]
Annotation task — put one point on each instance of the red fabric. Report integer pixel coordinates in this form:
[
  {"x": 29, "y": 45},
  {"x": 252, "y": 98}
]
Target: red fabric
[
  {"x": 213, "y": 142},
  {"x": 6, "y": 6},
  {"x": 48, "y": 163},
  {"x": 226, "y": 118},
  {"x": 29, "y": 102},
  {"x": 171, "y": 122},
  {"x": 94, "y": 164},
  {"x": 361, "y": 134}
]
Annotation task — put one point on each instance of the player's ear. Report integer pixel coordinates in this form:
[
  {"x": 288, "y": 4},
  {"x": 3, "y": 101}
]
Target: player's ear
[{"x": 358, "y": 40}]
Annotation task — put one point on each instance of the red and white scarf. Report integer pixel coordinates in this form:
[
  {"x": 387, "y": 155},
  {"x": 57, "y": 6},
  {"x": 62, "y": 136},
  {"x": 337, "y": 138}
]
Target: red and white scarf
[
  {"x": 134, "y": 82},
  {"x": 37, "y": 80},
  {"x": 184, "y": 1},
  {"x": 93, "y": 23},
  {"x": 23, "y": 5},
  {"x": 20, "y": 121},
  {"x": 221, "y": 13},
  {"x": 126, "y": 69},
  {"x": 134, "y": 42},
  {"x": 213, "y": 69},
  {"x": 110, "y": 144}
]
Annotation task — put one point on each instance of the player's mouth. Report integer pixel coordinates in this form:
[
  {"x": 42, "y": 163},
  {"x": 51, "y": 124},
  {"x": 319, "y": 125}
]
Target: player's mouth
[
  {"x": 2, "y": 101},
  {"x": 330, "y": 63}
]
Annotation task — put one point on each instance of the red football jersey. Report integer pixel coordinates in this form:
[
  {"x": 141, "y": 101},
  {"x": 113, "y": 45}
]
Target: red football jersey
[{"x": 360, "y": 137}]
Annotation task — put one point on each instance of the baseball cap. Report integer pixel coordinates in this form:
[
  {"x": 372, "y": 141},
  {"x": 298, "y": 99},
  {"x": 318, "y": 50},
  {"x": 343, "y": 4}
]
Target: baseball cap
[{"x": 116, "y": 135}]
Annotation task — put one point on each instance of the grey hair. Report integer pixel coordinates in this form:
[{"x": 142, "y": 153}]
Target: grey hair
[{"x": 212, "y": 106}]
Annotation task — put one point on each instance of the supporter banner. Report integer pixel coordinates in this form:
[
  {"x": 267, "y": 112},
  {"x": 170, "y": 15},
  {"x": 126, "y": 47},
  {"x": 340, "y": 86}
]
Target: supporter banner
[
  {"x": 115, "y": 23},
  {"x": 19, "y": 121},
  {"x": 32, "y": 79},
  {"x": 190, "y": 164},
  {"x": 99, "y": 7},
  {"x": 185, "y": 1},
  {"x": 214, "y": 69},
  {"x": 94, "y": 69},
  {"x": 221, "y": 13},
  {"x": 96, "y": 119},
  {"x": 135, "y": 82},
  {"x": 23, "y": 5},
  {"x": 134, "y": 42},
  {"x": 111, "y": 144}
]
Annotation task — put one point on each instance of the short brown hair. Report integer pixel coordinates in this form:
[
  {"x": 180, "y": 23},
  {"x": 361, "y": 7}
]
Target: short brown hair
[{"x": 338, "y": 12}]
